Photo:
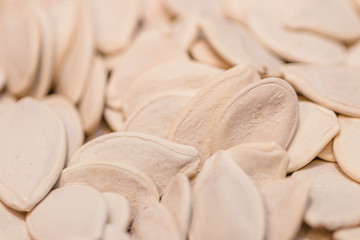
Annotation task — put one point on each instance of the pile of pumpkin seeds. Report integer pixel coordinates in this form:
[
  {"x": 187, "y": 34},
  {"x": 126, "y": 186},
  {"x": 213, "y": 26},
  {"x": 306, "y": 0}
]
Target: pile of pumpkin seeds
[{"x": 180, "y": 119}]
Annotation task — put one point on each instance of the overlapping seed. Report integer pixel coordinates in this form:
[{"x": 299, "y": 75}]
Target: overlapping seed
[{"x": 179, "y": 119}]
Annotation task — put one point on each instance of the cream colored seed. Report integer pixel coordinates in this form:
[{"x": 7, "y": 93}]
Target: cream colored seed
[{"x": 166, "y": 121}]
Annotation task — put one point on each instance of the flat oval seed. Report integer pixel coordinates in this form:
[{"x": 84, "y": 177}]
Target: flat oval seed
[
  {"x": 12, "y": 224},
  {"x": 285, "y": 202},
  {"x": 119, "y": 178},
  {"x": 176, "y": 75},
  {"x": 345, "y": 147},
  {"x": 226, "y": 203},
  {"x": 335, "y": 87},
  {"x": 334, "y": 198},
  {"x": 20, "y": 45},
  {"x": 264, "y": 111},
  {"x": 327, "y": 153},
  {"x": 201, "y": 51},
  {"x": 156, "y": 116},
  {"x": 114, "y": 118},
  {"x": 317, "y": 126},
  {"x": 35, "y": 153},
  {"x": 44, "y": 75},
  {"x": 347, "y": 234},
  {"x": 233, "y": 42},
  {"x": 263, "y": 162},
  {"x": 72, "y": 73},
  {"x": 114, "y": 22},
  {"x": 264, "y": 20},
  {"x": 158, "y": 158},
  {"x": 63, "y": 27},
  {"x": 54, "y": 218},
  {"x": 344, "y": 26},
  {"x": 194, "y": 123},
  {"x": 118, "y": 210},
  {"x": 155, "y": 223},
  {"x": 70, "y": 117},
  {"x": 148, "y": 49},
  {"x": 91, "y": 104},
  {"x": 177, "y": 198}
]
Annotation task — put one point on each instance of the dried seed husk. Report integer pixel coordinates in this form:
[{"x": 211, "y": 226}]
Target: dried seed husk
[
  {"x": 91, "y": 104},
  {"x": 236, "y": 45},
  {"x": 327, "y": 153},
  {"x": 35, "y": 142},
  {"x": 201, "y": 51},
  {"x": 347, "y": 234},
  {"x": 176, "y": 75},
  {"x": 158, "y": 158},
  {"x": 155, "y": 223},
  {"x": 263, "y": 111},
  {"x": 177, "y": 198},
  {"x": 344, "y": 26},
  {"x": 263, "y": 162},
  {"x": 184, "y": 30},
  {"x": 156, "y": 116},
  {"x": 334, "y": 198},
  {"x": 226, "y": 203},
  {"x": 317, "y": 126},
  {"x": 70, "y": 117},
  {"x": 54, "y": 218},
  {"x": 119, "y": 178},
  {"x": 195, "y": 122},
  {"x": 72, "y": 73},
  {"x": 147, "y": 50},
  {"x": 114, "y": 23},
  {"x": 290, "y": 194},
  {"x": 345, "y": 147},
  {"x": 264, "y": 19},
  {"x": 118, "y": 210},
  {"x": 20, "y": 45},
  {"x": 328, "y": 86},
  {"x": 12, "y": 224}
]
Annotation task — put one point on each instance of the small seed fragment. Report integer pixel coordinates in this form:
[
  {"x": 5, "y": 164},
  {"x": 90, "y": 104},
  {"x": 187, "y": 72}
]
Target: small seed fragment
[
  {"x": 54, "y": 218},
  {"x": 177, "y": 198},
  {"x": 226, "y": 203},
  {"x": 263, "y": 162},
  {"x": 334, "y": 198},
  {"x": 114, "y": 118},
  {"x": 317, "y": 126},
  {"x": 35, "y": 153},
  {"x": 345, "y": 147}
]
